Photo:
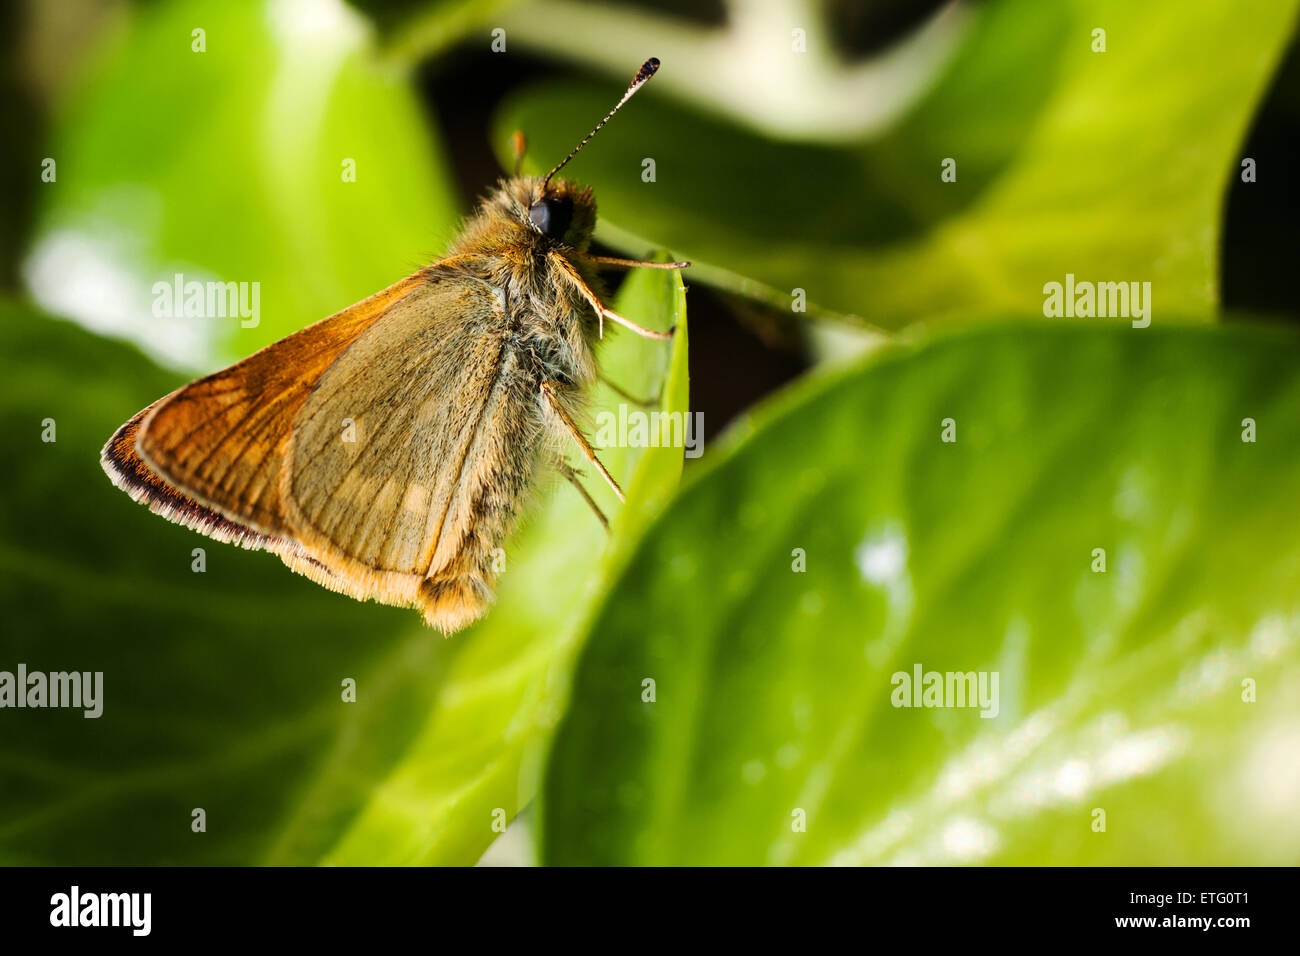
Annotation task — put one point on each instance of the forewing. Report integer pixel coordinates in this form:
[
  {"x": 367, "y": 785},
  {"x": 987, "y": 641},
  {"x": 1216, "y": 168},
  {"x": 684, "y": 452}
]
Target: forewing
[
  {"x": 221, "y": 441},
  {"x": 129, "y": 472},
  {"x": 402, "y": 436}
]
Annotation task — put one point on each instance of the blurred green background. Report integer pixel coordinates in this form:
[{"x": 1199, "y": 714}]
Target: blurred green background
[{"x": 845, "y": 300}]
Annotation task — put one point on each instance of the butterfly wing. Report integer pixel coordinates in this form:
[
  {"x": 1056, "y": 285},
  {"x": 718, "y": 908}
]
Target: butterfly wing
[
  {"x": 129, "y": 472},
  {"x": 208, "y": 455},
  {"x": 406, "y": 462},
  {"x": 381, "y": 452}
]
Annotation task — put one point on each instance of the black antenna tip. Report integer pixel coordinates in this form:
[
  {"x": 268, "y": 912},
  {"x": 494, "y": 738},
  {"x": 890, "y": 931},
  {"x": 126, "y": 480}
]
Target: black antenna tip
[{"x": 647, "y": 70}]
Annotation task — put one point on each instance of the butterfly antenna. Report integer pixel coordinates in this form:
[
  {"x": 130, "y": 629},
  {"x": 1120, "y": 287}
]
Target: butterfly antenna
[{"x": 647, "y": 70}]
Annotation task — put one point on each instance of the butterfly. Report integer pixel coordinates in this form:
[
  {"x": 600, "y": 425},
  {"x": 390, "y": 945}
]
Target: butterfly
[{"x": 384, "y": 452}]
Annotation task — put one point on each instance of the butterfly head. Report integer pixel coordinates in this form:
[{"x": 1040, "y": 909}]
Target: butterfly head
[
  {"x": 556, "y": 209},
  {"x": 561, "y": 211}
]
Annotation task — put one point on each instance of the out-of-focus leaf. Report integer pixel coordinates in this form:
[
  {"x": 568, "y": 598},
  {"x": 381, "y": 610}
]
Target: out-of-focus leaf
[
  {"x": 222, "y": 690},
  {"x": 236, "y": 169},
  {"x": 1108, "y": 165},
  {"x": 424, "y": 29},
  {"x": 844, "y": 541}
]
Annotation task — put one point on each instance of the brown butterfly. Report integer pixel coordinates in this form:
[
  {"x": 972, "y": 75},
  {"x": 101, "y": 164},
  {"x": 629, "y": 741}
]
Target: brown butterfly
[{"x": 384, "y": 451}]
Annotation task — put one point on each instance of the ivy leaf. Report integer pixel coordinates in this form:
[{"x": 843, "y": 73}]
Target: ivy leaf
[
  {"x": 1111, "y": 533},
  {"x": 281, "y": 155}
]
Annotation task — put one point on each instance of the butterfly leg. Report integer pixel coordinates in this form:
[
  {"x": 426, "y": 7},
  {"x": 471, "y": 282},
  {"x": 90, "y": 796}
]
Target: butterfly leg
[
  {"x": 615, "y": 263},
  {"x": 643, "y": 402},
  {"x": 566, "y": 269},
  {"x": 550, "y": 396},
  {"x": 570, "y": 473}
]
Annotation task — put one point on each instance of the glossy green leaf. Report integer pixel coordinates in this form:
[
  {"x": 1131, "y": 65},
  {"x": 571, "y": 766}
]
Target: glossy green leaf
[
  {"x": 1107, "y": 165},
  {"x": 1113, "y": 532},
  {"x": 223, "y": 689}
]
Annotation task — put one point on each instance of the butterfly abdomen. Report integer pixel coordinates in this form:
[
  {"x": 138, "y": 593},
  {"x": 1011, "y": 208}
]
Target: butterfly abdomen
[{"x": 515, "y": 437}]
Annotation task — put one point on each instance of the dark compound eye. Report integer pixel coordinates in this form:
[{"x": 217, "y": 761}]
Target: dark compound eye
[{"x": 552, "y": 216}]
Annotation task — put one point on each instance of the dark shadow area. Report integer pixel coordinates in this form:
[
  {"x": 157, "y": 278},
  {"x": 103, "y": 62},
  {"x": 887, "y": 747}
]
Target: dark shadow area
[{"x": 1260, "y": 247}]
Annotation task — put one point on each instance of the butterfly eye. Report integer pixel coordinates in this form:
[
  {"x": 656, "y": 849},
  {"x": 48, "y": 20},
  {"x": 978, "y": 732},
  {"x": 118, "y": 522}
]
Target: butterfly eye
[{"x": 552, "y": 216}]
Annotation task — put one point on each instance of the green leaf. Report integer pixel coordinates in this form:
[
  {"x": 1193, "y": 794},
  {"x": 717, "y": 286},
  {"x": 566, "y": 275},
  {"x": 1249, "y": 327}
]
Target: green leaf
[
  {"x": 222, "y": 690},
  {"x": 234, "y": 170},
  {"x": 425, "y": 29},
  {"x": 1121, "y": 690},
  {"x": 1110, "y": 166},
  {"x": 480, "y": 747}
]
